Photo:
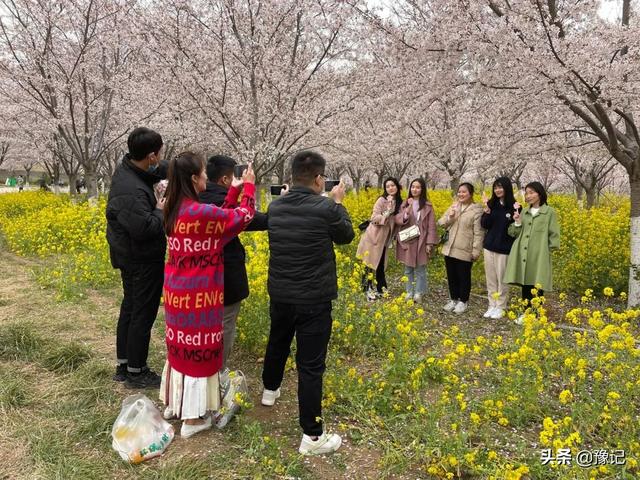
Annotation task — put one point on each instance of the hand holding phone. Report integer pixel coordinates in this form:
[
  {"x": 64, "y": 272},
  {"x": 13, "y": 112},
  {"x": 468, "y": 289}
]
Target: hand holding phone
[
  {"x": 338, "y": 192},
  {"x": 248, "y": 176},
  {"x": 329, "y": 184},
  {"x": 239, "y": 170}
]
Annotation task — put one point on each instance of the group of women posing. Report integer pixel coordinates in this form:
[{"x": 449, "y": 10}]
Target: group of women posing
[{"x": 517, "y": 245}]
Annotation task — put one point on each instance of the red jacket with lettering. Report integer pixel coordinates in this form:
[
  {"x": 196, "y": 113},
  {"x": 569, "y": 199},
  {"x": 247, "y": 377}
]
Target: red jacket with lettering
[{"x": 194, "y": 280}]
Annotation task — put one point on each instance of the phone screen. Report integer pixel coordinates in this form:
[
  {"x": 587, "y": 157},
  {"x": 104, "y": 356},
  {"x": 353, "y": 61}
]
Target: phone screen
[
  {"x": 329, "y": 184},
  {"x": 238, "y": 170},
  {"x": 276, "y": 189}
]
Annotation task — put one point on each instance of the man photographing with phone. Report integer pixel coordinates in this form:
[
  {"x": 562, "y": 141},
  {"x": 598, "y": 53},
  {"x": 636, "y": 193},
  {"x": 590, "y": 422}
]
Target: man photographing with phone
[
  {"x": 220, "y": 172},
  {"x": 303, "y": 226}
]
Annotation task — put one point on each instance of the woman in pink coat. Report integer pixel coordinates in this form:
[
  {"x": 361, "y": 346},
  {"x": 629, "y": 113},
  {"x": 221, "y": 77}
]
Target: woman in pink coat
[
  {"x": 414, "y": 253},
  {"x": 378, "y": 236}
]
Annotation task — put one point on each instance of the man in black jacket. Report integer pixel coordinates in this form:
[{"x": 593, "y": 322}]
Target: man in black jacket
[
  {"x": 137, "y": 246},
  {"x": 303, "y": 226},
  {"x": 236, "y": 284}
]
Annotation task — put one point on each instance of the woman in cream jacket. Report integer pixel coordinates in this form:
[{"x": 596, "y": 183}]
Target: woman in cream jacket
[{"x": 463, "y": 247}]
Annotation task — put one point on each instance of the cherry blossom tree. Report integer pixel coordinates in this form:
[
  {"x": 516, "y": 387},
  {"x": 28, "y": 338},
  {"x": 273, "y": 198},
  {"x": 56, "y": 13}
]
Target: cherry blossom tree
[
  {"x": 261, "y": 78},
  {"x": 77, "y": 66}
]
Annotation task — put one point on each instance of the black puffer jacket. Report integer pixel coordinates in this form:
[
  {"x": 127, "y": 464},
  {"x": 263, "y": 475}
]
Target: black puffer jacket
[
  {"x": 302, "y": 229},
  {"x": 134, "y": 224},
  {"x": 236, "y": 284}
]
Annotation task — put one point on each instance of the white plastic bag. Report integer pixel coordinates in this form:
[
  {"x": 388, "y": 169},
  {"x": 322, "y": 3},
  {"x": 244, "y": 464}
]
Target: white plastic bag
[
  {"x": 140, "y": 432},
  {"x": 234, "y": 391}
]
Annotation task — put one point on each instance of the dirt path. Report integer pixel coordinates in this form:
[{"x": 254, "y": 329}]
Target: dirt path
[{"x": 91, "y": 321}]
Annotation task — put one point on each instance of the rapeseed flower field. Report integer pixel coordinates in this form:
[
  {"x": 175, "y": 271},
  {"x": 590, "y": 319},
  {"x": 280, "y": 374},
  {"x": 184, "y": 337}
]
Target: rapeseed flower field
[{"x": 440, "y": 396}]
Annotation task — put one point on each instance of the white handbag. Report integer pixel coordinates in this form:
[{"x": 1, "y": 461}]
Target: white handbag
[{"x": 409, "y": 233}]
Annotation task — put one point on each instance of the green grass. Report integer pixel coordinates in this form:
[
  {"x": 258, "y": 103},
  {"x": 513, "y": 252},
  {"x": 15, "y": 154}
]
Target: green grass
[
  {"x": 67, "y": 357},
  {"x": 15, "y": 389},
  {"x": 19, "y": 341}
]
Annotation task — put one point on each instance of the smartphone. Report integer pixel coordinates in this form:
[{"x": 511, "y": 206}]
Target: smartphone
[
  {"x": 329, "y": 184},
  {"x": 276, "y": 189},
  {"x": 238, "y": 170}
]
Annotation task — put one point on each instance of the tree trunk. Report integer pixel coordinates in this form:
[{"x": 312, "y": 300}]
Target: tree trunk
[
  {"x": 454, "y": 183},
  {"x": 72, "y": 184},
  {"x": 579, "y": 191},
  {"x": 592, "y": 194},
  {"x": 634, "y": 268},
  {"x": 379, "y": 176},
  {"x": 91, "y": 183}
]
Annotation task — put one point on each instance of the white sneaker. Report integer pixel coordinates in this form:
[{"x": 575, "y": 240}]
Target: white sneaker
[
  {"x": 269, "y": 397},
  {"x": 460, "y": 307},
  {"x": 519, "y": 320},
  {"x": 371, "y": 295},
  {"x": 449, "y": 306},
  {"x": 490, "y": 312},
  {"x": 324, "y": 444},
  {"x": 497, "y": 313},
  {"x": 168, "y": 413},
  {"x": 417, "y": 297},
  {"x": 189, "y": 430},
  {"x": 408, "y": 296}
]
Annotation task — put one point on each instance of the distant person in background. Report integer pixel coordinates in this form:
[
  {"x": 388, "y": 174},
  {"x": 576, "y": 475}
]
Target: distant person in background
[
  {"x": 463, "y": 246},
  {"x": 537, "y": 234},
  {"x": 137, "y": 247},
  {"x": 496, "y": 217},
  {"x": 43, "y": 185},
  {"x": 376, "y": 239},
  {"x": 194, "y": 288},
  {"x": 236, "y": 284},
  {"x": 20, "y": 183},
  {"x": 415, "y": 253}
]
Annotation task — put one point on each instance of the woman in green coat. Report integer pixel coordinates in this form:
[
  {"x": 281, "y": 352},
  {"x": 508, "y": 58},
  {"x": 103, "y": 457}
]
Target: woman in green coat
[{"x": 537, "y": 233}]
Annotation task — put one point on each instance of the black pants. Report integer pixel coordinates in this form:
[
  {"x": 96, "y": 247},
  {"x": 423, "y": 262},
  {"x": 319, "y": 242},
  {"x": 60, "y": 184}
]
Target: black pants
[
  {"x": 459, "y": 278},
  {"x": 527, "y": 295},
  {"x": 142, "y": 287},
  {"x": 381, "y": 279},
  {"x": 311, "y": 325}
]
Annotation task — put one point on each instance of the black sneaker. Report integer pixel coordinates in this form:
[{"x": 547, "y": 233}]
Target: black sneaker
[
  {"x": 145, "y": 379},
  {"x": 121, "y": 373}
]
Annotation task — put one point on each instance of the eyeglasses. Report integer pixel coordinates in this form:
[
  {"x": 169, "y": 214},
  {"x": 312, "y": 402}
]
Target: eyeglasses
[{"x": 322, "y": 175}]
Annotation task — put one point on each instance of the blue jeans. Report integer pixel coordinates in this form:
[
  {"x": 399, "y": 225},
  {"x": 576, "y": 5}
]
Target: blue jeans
[{"x": 416, "y": 279}]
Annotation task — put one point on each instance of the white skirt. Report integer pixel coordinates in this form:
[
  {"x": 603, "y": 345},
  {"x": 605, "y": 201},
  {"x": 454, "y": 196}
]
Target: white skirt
[{"x": 189, "y": 397}]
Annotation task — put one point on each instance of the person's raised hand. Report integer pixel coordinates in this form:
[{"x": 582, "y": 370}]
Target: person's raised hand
[
  {"x": 485, "y": 198},
  {"x": 161, "y": 202},
  {"x": 409, "y": 201},
  {"x": 516, "y": 216},
  {"x": 338, "y": 192},
  {"x": 236, "y": 182},
  {"x": 249, "y": 176},
  {"x": 454, "y": 210}
]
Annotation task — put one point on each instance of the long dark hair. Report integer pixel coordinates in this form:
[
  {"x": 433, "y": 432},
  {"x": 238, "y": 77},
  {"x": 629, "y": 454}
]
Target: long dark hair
[
  {"x": 398, "y": 195},
  {"x": 180, "y": 186},
  {"x": 509, "y": 199},
  {"x": 539, "y": 189},
  {"x": 422, "y": 199}
]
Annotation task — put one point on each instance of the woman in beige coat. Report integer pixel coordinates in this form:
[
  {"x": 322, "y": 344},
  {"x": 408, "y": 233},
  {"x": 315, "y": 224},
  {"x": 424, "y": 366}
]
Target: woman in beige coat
[
  {"x": 463, "y": 247},
  {"x": 375, "y": 240}
]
